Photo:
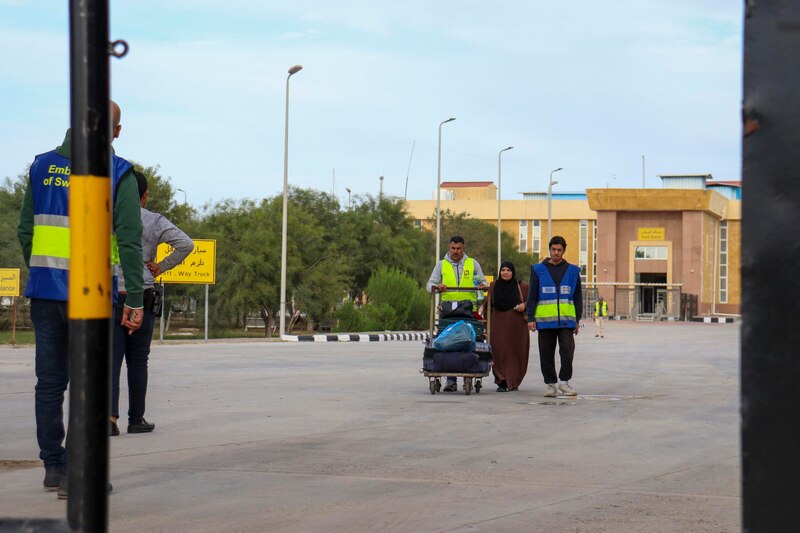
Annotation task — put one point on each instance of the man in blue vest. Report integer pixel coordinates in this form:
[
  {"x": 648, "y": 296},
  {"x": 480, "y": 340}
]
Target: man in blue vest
[
  {"x": 44, "y": 235},
  {"x": 554, "y": 309},
  {"x": 457, "y": 269}
]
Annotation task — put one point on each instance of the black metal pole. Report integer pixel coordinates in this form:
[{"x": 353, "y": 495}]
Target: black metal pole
[
  {"x": 770, "y": 288},
  {"x": 90, "y": 270}
]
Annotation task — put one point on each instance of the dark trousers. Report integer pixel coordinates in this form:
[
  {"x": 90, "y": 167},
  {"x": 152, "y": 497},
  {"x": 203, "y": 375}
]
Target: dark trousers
[
  {"x": 51, "y": 328},
  {"x": 548, "y": 338},
  {"x": 134, "y": 349}
]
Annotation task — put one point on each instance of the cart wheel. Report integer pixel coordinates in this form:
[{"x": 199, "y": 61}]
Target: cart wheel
[
  {"x": 438, "y": 385},
  {"x": 433, "y": 387},
  {"x": 478, "y": 386},
  {"x": 468, "y": 386}
]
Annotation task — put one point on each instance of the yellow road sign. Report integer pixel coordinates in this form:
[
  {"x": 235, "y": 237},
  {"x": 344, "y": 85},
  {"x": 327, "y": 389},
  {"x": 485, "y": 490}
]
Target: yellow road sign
[
  {"x": 9, "y": 282},
  {"x": 199, "y": 267}
]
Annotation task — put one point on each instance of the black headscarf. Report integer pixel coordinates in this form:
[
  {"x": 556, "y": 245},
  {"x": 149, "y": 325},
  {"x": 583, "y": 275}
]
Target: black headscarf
[{"x": 505, "y": 295}]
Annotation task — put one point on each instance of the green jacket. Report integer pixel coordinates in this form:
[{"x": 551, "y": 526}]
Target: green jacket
[{"x": 127, "y": 226}]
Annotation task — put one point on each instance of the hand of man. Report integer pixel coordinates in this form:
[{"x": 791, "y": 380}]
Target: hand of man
[
  {"x": 577, "y": 329},
  {"x": 532, "y": 326},
  {"x": 442, "y": 287},
  {"x": 154, "y": 269},
  {"x": 483, "y": 286},
  {"x": 132, "y": 318}
]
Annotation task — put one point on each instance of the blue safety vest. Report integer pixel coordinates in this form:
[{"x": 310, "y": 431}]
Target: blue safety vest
[
  {"x": 49, "y": 263},
  {"x": 556, "y": 307}
]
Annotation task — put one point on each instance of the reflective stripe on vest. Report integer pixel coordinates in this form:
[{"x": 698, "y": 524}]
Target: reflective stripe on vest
[
  {"x": 50, "y": 245},
  {"x": 556, "y": 307},
  {"x": 449, "y": 279}
]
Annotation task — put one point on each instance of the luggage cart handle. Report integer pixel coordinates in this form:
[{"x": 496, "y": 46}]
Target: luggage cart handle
[{"x": 460, "y": 289}]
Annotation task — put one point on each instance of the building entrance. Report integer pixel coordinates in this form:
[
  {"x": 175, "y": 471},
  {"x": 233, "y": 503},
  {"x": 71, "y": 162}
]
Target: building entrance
[{"x": 652, "y": 300}]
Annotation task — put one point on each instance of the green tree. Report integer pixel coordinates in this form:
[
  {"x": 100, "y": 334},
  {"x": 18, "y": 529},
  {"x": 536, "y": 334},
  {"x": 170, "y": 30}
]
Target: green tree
[
  {"x": 12, "y": 192},
  {"x": 390, "y": 286},
  {"x": 378, "y": 232},
  {"x": 161, "y": 197}
]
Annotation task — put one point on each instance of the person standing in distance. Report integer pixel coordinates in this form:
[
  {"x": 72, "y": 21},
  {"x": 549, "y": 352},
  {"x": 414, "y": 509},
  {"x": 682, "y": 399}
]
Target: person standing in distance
[
  {"x": 43, "y": 233},
  {"x": 554, "y": 309},
  {"x": 457, "y": 269},
  {"x": 600, "y": 316},
  {"x": 135, "y": 348}
]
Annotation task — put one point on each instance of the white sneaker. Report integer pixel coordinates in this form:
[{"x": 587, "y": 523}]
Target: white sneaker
[
  {"x": 551, "y": 391},
  {"x": 566, "y": 390}
]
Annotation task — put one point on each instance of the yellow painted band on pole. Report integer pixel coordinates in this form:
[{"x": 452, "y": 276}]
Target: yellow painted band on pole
[{"x": 90, "y": 247}]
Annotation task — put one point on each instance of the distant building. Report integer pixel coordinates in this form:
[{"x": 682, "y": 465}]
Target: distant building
[{"x": 664, "y": 252}]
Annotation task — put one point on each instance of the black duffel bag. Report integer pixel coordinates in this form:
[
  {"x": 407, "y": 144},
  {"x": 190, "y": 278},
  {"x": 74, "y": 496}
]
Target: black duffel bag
[
  {"x": 456, "y": 309},
  {"x": 457, "y": 362}
]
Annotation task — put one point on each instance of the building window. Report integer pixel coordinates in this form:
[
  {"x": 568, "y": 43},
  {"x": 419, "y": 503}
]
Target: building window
[
  {"x": 650, "y": 252},
  {"x": 583, "y": 252},
  {"x": 536, "y": 237},
  {"x": 594, "y": 250},
  {"x": 418, "y": 224},
  {"x": 523, "y": 236},
  {"x": 723, "y": 262}
]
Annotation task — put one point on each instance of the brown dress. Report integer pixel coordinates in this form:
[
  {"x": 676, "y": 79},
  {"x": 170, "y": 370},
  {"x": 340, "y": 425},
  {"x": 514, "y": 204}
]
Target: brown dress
[{"x": 511, "y": 342}]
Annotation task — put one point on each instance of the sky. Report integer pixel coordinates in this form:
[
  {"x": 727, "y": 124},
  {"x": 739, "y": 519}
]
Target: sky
[{"x": 584, "y": 85}]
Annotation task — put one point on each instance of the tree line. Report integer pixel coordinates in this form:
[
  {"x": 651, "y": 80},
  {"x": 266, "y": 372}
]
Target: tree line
[{"x": 361, "y": 268}]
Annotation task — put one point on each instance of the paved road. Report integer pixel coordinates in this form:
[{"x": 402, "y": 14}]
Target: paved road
[{"x": 347, "y": 437}]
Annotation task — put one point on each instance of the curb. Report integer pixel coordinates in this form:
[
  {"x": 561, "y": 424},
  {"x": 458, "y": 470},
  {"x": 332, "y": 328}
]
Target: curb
[
  {"x": 714, "y": 319},
  {"x": 359, "y": 337}
]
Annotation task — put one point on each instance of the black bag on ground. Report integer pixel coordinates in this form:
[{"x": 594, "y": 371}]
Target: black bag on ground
[{"x": 456, "y": 309}]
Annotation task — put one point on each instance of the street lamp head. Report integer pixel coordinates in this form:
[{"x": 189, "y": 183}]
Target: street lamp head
[
  {"x": 451, "y": 119},
  {"x": 554, "y": 182},
  {"x": 559, "y": 168},
  {"x": 295, "y": 69},
  {"x": 348, "y": 190}
]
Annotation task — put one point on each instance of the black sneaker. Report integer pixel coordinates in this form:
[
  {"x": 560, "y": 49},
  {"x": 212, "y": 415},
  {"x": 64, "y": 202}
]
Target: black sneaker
[
  {"x": 114, "y": 429},
  {"x": 502, "y": 388},
  {"x": 52, "y": 479},
  {"x": 63, "y": 488},
  {"x": 142, "y": 427}
]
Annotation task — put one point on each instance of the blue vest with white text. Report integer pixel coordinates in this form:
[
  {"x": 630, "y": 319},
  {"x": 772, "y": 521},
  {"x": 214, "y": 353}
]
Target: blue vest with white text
[
  {"x": 49, "y": 263},
  {"x": 556, "y": 305}
]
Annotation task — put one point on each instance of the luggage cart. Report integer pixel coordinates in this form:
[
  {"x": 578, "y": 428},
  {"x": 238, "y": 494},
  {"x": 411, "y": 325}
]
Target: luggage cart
[{"x": 483, "y": 348}]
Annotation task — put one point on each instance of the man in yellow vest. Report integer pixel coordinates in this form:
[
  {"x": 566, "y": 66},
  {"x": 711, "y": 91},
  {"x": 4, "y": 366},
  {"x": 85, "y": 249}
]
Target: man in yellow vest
[
  {"x": 457, "y": 269},
  {"x": 600, "y": 316}
]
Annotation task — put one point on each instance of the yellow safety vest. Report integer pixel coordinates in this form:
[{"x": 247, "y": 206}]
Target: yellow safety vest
[
  {"x": 597, "y": 309},
  {"x": 449, "y": 279}
]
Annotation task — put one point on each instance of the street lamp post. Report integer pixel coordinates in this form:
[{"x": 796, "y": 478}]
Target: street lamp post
[
  {"x": 499, "y": 195},
  {"x": 184, "y": 195},
  {"x": 349, "y": 201},
  {"x": 439, "y": 192},
  {"x": 550, "y": 207},
  {"x": 292, "y": 71}
]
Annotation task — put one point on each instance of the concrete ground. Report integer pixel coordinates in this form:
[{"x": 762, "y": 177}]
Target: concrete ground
[{"x": 347, "y": 437}]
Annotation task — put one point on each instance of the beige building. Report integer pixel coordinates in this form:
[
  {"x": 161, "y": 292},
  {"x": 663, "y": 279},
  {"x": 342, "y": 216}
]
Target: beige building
[{"x": 672, "y": 252}]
